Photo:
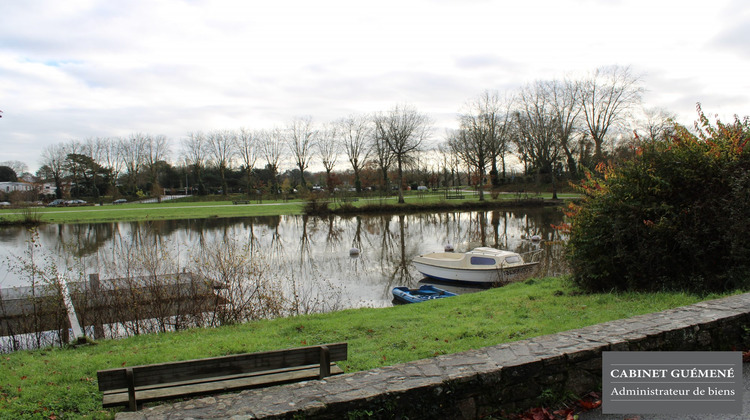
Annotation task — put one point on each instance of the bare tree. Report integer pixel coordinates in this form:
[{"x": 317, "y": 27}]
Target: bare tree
[
  {"x": 403, "y": 130},
  {"x": 17, "y": 166},
  {"x": 356, "y": 132},
  {"x": 489, "y": 117},
  {"x": 94, "y": 148},
  {"x": 537, "y": 129},
  {"x": 248, "y": 148},
  {"x": 481, "y": 138},
  {"x": 448, "y": 160},
  {"x": 328, "y": 149},
  {"x": 53, "y": 160},
  {"x": 221, "y": 148},
  {"x": 194, "y": 151},
  {"x": 301, "y": 141},
  {"x": 657, "y": 124},
  {"x": 108, "y": 157},
  {"x": 563, "y": 99},
  {"x": 383, "y": 158},
  {"x": 272, "y": 150},
  {"x": 604, "y": 98},
  {"x": 651, "y": 125},
  {"x": 501, "y": 146},
  {"x": 132, "y": 152},
  {"x": 88, "y": 147},
  {"x": 156, "y": 150},
  {"x": 471, "y": 148}
]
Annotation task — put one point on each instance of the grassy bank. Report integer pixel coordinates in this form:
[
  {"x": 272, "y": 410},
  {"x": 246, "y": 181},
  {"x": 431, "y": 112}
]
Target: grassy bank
[
  {"x": 182, "y": 209},
  {"x": 155, "y": 211},
  {"x": 61, "y": 383}
]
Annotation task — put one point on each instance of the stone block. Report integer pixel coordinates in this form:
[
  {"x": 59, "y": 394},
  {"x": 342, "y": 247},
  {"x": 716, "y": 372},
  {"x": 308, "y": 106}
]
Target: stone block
[
  {"x": 552, "y": 379},
  {"x": 519, "y": 373},
  {"x": 580, "y": 381},
  {"x": 521, "y": 391},
  {"x": 585, "y": 354}
]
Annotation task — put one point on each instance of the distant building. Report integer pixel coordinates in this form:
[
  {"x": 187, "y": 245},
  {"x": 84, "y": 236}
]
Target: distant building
[
  {"x": 8, "y": 187},
  {"x": 48, "y": 188}
]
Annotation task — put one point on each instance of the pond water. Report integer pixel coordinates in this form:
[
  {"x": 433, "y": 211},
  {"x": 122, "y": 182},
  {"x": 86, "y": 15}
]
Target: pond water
[{"x": 312, "y": 252}]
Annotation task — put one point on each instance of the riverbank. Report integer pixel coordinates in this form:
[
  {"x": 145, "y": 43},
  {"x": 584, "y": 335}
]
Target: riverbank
[
  {"x": 186, "y": 209},
  {"x": 62, "y": 382}
]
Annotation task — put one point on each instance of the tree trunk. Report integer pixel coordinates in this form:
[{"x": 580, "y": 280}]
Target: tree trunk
[
  {"x": 357, "y": 181},
  {"x": 223, "y": 173},
  {"x": 572, "y": 167},
  {"x": 480, "y": 185},
  {"x": 493, "y": 174},
  {"x": 598, "y": 150},
  {"x": 554, "y": 181},
  {"x": 502, "y": 160},
  {"x": 249, "y": 174},
  {"x": 328, "y": 181},
  {"x": 58, "y": 187},
  {"x": 303, "y": 184},
  {"x": 400, "y": 184}
]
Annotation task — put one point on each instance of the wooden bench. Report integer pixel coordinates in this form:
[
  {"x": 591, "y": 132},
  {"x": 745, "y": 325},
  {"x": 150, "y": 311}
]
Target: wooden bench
[
  {"x": 241, "y": 202},
  {"x": 131, "y": 386},
  {"x": 454, "y": 197}
]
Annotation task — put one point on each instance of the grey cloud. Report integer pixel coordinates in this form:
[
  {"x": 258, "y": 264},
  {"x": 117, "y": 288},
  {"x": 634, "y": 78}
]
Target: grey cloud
[
  {"x": 736, "y": 38},
  {"x": 481, "y": 61},
  {"x": 657, "y": 79}
]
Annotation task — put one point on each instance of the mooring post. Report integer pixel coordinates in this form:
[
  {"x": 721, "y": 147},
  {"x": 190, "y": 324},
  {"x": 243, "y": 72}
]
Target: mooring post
[
  {"x": 94, "y": 282},
  {"x": 95, "y": 304}
]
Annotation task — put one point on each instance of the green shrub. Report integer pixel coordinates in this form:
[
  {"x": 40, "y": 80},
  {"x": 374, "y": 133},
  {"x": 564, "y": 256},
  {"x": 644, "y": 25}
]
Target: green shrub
[
  {"x": 315, "y": 207},
  {"x": 674, "y": 217}
]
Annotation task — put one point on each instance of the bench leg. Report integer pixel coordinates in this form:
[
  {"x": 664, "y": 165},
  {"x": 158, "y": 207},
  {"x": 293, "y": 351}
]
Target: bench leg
[
  {"x": 132, "y": 403},
  {"x": 325, "y": 362}
]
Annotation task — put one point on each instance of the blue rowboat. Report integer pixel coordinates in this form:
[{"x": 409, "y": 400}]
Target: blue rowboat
[{"x": 424, "y": 293}]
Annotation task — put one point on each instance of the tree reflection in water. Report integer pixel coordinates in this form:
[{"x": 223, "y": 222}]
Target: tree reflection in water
[{"x": 309, "y": 255}]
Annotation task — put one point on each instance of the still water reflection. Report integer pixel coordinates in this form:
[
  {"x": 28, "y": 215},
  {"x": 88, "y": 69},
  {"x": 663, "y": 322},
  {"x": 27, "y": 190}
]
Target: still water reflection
[{"x": 309, "y": 250}]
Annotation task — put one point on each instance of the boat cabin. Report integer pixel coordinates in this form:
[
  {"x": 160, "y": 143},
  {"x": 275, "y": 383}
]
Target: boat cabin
[{"x": 492, "y": 256}]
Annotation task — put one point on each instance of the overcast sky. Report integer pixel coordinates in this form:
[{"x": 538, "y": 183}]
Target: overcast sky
[{"x": 85, "y": 68}]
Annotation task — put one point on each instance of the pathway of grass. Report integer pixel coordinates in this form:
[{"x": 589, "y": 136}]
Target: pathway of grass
[{"x": 61, "y": 383}]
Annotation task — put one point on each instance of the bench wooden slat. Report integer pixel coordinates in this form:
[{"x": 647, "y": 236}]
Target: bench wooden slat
[
  {"x": 215, "y": 385},
  {"x": 137, "y": 384},
  {"x": 218, "y": 366}
]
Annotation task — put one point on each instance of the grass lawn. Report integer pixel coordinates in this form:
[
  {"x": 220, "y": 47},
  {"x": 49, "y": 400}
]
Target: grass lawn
[
  {"x": 179, "y": 209},
  {"x": 61, "y": 383},
  {"x": 155, "y": 211}
]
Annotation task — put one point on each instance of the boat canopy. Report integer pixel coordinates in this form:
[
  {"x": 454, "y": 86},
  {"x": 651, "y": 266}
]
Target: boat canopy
[{"x": 492, "y": 256}]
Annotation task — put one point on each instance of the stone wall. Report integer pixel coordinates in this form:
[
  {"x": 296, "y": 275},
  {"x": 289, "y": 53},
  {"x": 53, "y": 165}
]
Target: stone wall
[{"x": 476, "y": 383}]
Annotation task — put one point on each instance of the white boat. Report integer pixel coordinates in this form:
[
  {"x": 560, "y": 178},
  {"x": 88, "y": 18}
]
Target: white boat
[{"x": 481, "y": 265}]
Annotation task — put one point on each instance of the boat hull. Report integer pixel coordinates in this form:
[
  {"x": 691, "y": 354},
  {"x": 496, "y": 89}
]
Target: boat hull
[{"x": 489, "y": 275}]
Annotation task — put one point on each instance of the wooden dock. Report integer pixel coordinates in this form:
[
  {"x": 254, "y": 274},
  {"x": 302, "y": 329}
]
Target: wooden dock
[{"x": 70, "y": 305}]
